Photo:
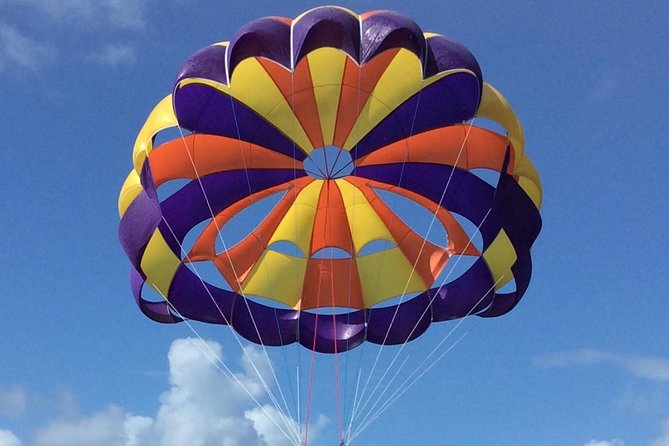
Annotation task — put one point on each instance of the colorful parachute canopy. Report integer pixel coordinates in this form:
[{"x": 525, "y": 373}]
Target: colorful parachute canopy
[{"x": 329, "y": 115}]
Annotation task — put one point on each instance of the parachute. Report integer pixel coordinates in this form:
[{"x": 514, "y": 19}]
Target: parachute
[{"x": 340, "y": 144}]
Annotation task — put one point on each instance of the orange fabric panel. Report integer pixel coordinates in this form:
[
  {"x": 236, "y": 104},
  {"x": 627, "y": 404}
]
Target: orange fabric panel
[
  {"x": 237, "y": 261},
  {"x": 358, "y": 84},
  {"x": 331, "y": 283},
  {"x": 331, "y": 224},
  {"x": 458, "y": 240},
  {"x": 483, "y": 148},
  {"x": 298, "y": 90},
  {"x": 212, "y": 153},
  {"x": 428, "y": 258}
]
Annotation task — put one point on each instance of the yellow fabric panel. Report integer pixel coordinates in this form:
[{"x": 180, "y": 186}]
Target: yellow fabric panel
[
  {"x": 495, "y": 107},
  {"x": 298, "y": 223},
  {"x": 387, "y": 274},
  {"x": 327, "y": 72},
  {"x": 500, "y": 257},
  {"x": 159, "y": 263},
  {"x": 366, "y": 225},
  {"x": 160, "y": 118},
  {"x": 277, "y": 276},
  {"x": 529, "y": 180},
  {"x": 402, "y": 78},
  {"x": 130, "y": 189},
  {"x": 252, "y": 85}
]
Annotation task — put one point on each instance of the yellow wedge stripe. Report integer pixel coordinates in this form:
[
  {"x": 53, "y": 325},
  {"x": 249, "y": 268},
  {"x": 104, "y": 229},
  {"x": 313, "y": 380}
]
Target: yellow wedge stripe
[
  {"x": 366, "y": 225},
  {"x": 252, "y": 86},
  {"x": 378, "y": 285},
  {"x": 129, "y": 191},
  {"x": 298, "y": 223},
  {"x": 327, "y": 72},
  {"x": 496, "y": 108},
  {"x": 160, "y": 118},
  {"x": 500, "y": 257},
  {"x": 402, "y": 79},
  {"x": 159, "y": 263},
  {"x": 277, "y": 276}
]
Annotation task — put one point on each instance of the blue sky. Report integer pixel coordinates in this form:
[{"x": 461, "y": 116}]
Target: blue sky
[{"x": 583, "y": 360}]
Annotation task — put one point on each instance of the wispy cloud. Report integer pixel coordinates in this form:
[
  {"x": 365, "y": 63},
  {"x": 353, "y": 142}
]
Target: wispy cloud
[
  {"x": 115, "y": 55},
  {"x": 663, "y": 439},
  {"x": 18, "y": 50},
  {"x": 648, "y": 367},
  {"x": 614, "y": 442},
  {"x": 88, "y": 13},
  {"x": 13, "y": 401},
  {"x": 201, "y": 406}
]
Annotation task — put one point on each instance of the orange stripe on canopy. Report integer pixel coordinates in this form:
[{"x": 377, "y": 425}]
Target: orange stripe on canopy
[
  {"x": 331, "y": 227},
  {"x": 331, "y": 283},
  {"x": 406, "y": 239},
  {"x": 451, "y": 146},
  {"x": 459, "y": 242},
  {"x": 235, "y": 263},
  {"x": 298, "y": 90},
  {"x": 358, "y": 84},
  {"x": 210, "y": 154}
]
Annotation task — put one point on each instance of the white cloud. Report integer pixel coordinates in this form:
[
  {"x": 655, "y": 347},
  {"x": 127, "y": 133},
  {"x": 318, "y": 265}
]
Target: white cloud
[
  {"x": 649, "y": 367},
  {"x": 7, "y": 438},
  {"x": 13, "y": 401},
  {"x": 663, "y": 439},
  {"x": 106, "y": 428},
  {"x": 89, "y": 13},
  {"x": 614, "y": 442},
  {"x": 20, "y": 51},
  {"x": 115, "y": 55},
  {"x": 202, "y": 407}
]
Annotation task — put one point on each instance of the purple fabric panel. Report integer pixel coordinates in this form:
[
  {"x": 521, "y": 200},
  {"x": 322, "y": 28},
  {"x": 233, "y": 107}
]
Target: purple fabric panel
[
  {"x": 203, "y": 109},
  {"x": 384, "y": 30},
  {"x": 187, "y": 207},
  {"x": 328, "y": 26},
  {"x": 348, "y": 331},
  {"x": 200, "y": 301},
  {"x": 503, "y": 303},
  {"x": 263, "y": 324},
  {"x": 447, "y": 54},
  {"x": 267, "y": 37},
  {"x": 467, "y": 194},
  {"x": 399, "y": 323},
  {"x": 516, "y": 213},
  {"x": 137, "y": 226},
  {"x": 207, "y": 63},
  {"x": 452, "y": 99},
  {"x": 157, "y": 311},
  {"x": 468, "y": 294}
]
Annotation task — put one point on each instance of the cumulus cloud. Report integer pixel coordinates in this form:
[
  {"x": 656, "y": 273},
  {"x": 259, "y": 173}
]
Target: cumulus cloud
[
  {"x": 111, "y": 427},
  {"x": 7, "y": 438},
  {"x": 202, "y": 407},
  {"x": 13, "y": 401},
  {"x": 649, "y": 367},
  {"x": 19, "y": 50}
]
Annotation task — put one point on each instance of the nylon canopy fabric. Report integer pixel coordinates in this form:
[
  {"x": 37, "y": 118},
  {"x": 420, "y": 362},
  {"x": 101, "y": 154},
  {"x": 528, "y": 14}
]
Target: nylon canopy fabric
[{"x": 329, "y": 112}]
